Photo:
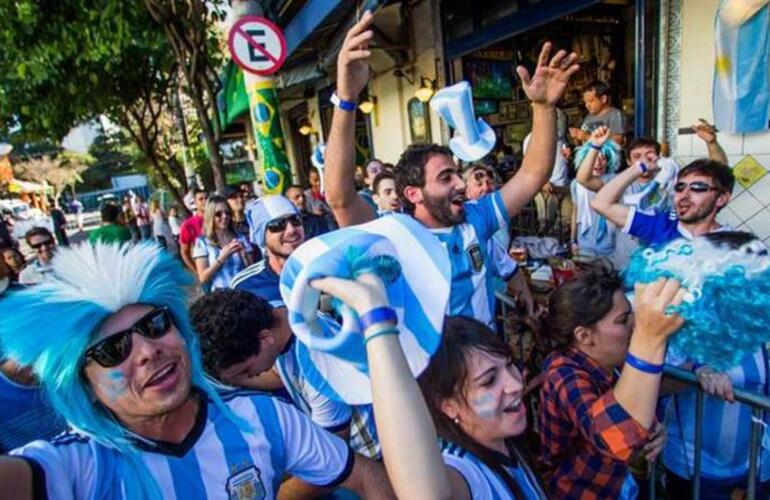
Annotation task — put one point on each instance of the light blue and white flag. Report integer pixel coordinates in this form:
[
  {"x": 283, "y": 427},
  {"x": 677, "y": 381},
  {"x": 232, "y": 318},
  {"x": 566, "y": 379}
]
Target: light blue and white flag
[
  {"x": 333, "y": 357},
  {"x": 741, "y": 97}
]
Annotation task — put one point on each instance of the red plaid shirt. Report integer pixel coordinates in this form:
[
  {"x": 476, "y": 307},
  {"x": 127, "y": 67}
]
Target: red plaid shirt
[{"x": 587, "y": 437}]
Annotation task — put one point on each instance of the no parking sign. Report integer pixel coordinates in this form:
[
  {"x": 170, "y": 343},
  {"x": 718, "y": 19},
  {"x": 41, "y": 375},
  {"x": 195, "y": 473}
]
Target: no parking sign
[{"x": 257, "y": 45}]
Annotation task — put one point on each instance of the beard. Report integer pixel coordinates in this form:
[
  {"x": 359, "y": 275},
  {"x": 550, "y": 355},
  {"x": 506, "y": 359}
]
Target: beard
[
  {"x": 702, "y": 212},
  {"x": 441, "y": 210}
]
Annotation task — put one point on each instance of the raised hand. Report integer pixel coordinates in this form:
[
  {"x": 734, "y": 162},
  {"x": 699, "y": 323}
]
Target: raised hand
[
  {"x": 362, "y": 294},
  {"x": 353, "y": 59},
  {"x": 600, "y": 135},
  {"x": 651, "y": 303},
  {"x": 550, "y": 80},
  {"x": 705, "y": 131}
]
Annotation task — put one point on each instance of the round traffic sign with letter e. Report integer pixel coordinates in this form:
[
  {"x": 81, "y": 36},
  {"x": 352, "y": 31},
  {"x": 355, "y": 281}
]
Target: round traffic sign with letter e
[{"x": 257, "y": 45}]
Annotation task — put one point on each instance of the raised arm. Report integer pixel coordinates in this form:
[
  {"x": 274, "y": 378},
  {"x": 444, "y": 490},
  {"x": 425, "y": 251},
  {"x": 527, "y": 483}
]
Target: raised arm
[
  {"x": 348, "y": 206},
  {"x": 544, "y": 90},
  {"x": 607, "y": 200},
  {"x": 707, "y": 134},
  {"x": 585, "y": 175},
  {"x": 404, "y": 426}
]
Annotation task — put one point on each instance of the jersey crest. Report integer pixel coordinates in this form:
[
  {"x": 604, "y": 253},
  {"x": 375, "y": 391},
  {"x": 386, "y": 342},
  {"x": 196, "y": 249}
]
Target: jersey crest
[
  {"x": 476, "y": 257},
  {"x": 246, "y": 485}
]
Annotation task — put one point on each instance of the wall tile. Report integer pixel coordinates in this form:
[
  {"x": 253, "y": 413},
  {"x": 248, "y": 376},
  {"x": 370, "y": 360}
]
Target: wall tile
[
  {"x": 699, "y": 149},
  {"x": 745, "y": 206},
  {"x": 684, "y": 144},
  {"x": 761, "y": 190},
  {"x": 731, "y": 143},
  {"x": 760, "y": 224},
  {"x": 727, "y": 217},
  {"x": 757, "y": 143}
]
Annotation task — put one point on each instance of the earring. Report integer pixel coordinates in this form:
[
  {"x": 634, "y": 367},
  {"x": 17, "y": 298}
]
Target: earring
[{"x": 456, "y": 420}]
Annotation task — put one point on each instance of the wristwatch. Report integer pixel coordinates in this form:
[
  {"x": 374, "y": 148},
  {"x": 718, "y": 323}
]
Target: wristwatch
[{"x": 348, "y": 106}]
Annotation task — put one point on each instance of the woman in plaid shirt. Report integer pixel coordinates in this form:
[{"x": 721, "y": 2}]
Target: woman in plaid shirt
[{"x": 594, "y": 418}]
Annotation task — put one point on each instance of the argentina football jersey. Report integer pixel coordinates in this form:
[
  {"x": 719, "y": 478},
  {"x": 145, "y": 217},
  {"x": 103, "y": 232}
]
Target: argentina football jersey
[
  {"x": 473, "y": 292},
  {"x": 217, "y": 460}
]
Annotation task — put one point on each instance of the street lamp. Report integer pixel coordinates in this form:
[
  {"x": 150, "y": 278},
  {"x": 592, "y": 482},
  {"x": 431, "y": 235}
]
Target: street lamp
[{"x": 425, "y": 92}]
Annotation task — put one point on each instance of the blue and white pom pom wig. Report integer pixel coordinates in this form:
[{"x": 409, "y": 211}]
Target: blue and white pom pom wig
[
  {"x": 50, "y": 326},
  {"x": 610, "y": 150},
  {"x": 728, "y": 295}
]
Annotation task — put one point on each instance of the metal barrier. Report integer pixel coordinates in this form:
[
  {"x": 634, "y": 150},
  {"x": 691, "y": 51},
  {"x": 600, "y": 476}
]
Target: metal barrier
[{"x": 758, "y": 403}]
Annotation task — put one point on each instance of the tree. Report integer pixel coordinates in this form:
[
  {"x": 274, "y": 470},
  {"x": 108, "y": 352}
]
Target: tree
[
  {"x": 59, "y": 173},
  {"x": 190, "y": 27},
  {"x": 65, "y": 63}
]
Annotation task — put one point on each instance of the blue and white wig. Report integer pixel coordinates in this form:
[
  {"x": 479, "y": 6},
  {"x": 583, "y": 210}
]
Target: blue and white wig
[
  {"x": 727, "y": 301},
  {"x": 50, "y": 326},
  {"x": 610, "y": 150}
]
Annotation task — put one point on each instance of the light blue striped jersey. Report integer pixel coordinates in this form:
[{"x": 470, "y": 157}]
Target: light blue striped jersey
[
  {"x": 484, "y": 483},
  {"x": 473, "y": 291},
  {"x": 205, "y": 249},
  {"x": 332, "y": 415},
  {"x": 726, "y": 426},
  {"x": 217, "y": 461}
]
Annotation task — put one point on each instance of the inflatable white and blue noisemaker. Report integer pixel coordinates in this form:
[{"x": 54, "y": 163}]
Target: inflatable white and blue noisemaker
[
  {"x": 474, "y": 139},
  {"x": 415, "y": 269}
]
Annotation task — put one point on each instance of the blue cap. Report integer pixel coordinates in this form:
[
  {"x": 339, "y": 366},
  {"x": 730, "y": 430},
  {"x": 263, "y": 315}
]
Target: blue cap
[{"x": 264, "y": 210}]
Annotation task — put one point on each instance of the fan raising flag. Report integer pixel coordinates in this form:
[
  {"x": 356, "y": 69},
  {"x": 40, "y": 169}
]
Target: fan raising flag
[{"x": 415, "y": 268}]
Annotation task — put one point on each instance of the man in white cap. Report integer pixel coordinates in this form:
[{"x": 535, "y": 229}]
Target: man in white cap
[{"x": 276, "y": 227}]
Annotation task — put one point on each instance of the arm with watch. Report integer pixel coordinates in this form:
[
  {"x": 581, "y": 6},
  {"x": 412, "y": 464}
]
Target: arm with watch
[
  {"x": 348, "y": 206},
  {"x": 607, "y": 199}
]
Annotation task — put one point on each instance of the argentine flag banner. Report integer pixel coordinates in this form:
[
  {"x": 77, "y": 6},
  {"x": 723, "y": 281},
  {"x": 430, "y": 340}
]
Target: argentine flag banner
[
  {"x": 416, "y": 271},
  {"x": 741, "y": 97}
]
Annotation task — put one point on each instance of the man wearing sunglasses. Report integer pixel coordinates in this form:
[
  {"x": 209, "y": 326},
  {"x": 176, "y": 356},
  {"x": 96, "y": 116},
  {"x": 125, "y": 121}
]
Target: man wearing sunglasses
[
  {"x": 702, "y": 188},
  {"x": 110, "y": 340},
  {"x": 276, "y": 227},
  {"x": 43, "y": 243}
]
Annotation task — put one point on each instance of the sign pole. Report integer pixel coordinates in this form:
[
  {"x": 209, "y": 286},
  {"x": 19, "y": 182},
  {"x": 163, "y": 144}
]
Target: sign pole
[{"x": 260, "y": 50}]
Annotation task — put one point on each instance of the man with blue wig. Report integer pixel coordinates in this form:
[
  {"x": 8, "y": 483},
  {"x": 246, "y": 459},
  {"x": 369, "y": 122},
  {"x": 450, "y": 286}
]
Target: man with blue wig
[{"x": 109, "y": 338}]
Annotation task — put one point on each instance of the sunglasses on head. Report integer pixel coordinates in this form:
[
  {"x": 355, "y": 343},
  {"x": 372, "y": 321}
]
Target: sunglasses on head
[
  {"x": 39, "y": 245},
  {"x": 115, "y": 349},
  {"x": 695, "y": 187},
  {"x": 278, "y": 225}
]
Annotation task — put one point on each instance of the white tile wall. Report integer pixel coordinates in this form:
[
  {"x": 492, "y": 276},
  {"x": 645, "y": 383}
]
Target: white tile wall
[
  {"x": 745, "y": 206},
  {"x": 758, "y": 143},
  {"x": 728, "y": 218},
  {"x": 731, "y": 143},
  {"x": 760, "y": 224},
  {"x": 684, "y": 144}
]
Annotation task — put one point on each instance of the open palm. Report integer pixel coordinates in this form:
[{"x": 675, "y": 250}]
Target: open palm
[{"x": 550, "y": 80}]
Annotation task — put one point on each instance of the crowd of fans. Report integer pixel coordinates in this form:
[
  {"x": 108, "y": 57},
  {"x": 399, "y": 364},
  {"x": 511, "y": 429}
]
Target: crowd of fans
[{"x": 156, "y": 398}]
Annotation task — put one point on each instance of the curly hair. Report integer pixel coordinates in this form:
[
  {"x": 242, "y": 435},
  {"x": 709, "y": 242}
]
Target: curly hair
[
  {"x": 580, "y": 301},
  {"x": 410, "y": 169},
  {"x": 226, "y": 321}
]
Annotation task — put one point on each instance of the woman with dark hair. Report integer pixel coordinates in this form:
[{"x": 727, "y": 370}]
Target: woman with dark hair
[
  {"x": 220, "y": 253},
  {"x": 473, "y": 394},
  {"x": 593, "y": 418}
]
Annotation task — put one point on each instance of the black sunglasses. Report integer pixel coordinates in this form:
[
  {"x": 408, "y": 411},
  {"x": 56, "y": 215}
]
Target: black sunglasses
[
  {"x": 278, "y": 225},
  {"x": 695, "y": 187},
  {"x": 113, "y": 350},
  {"x": 41, "y": 244}
]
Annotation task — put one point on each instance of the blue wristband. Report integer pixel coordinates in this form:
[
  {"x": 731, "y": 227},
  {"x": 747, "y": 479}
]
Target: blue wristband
[
  {"x": 594, "y": 146},
  {"x": 392, "y": 330},
  {"x": 377, "y": 315},
  {"x": 643, "y": 167},
  {"x": 348, "y": 106},
  {"x": 642, "y": 365}
]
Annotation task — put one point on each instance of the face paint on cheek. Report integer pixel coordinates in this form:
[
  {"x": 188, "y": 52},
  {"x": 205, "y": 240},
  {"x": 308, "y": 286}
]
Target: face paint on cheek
[
  {"x": 484, "y": 406},
  {"x": 115, "y": 385}
]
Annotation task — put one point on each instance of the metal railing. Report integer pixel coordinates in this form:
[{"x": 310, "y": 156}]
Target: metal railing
[{"x": 757, "y": 402}]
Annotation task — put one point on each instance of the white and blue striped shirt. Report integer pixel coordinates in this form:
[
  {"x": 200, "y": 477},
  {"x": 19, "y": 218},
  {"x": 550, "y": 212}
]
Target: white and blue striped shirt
[
  {"x": 483, "y": 483},
  {"x": 205, "y": 249},
  {"x": 217, "y": 460},
  {"x": 473, "y": 293},
  {"x": 726, "y": 434}
]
